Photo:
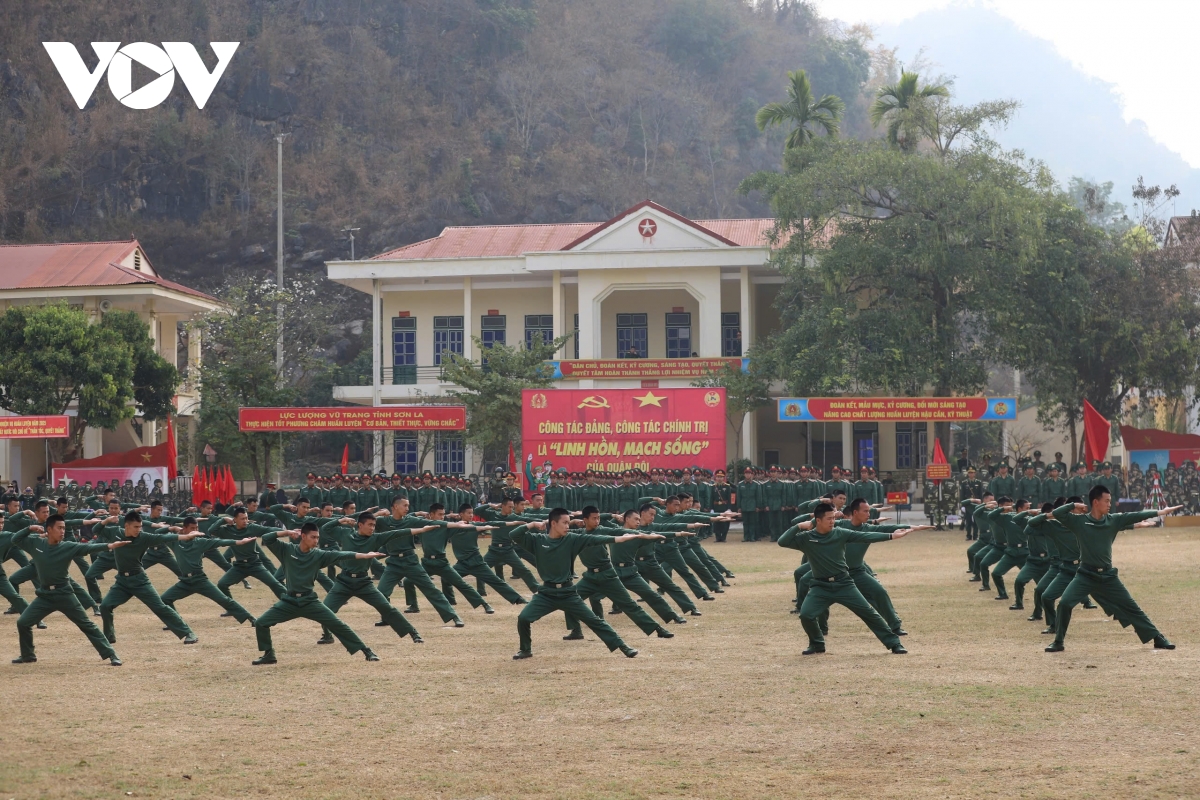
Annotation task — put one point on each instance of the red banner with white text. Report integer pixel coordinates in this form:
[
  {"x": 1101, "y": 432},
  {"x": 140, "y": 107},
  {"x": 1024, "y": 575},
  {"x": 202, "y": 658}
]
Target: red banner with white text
[{"x": 617, "y": 429}]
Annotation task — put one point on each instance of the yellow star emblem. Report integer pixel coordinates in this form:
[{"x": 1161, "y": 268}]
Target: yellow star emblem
[
  {"x": 650, "y": 399},
  {"x": 147, "y": 457}
]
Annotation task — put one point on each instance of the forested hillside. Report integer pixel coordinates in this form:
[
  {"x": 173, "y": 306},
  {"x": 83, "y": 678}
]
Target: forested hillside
[{"x": 403, "y": 117}]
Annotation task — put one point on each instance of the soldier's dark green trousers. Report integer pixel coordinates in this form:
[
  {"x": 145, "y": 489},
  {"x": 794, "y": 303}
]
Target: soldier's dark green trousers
[
  {"x": 59, "y": 598},
  {"x": 750, "y": 525},
  {"x": 1035, "y": 567},
  {"x": 986, "y": 560},
  {"x": 843, "y": 591},
  {"x": 877, "y": 596},
  {"x": 706, "y": 576},
  {"x": 720, "y": 531},
  {"x": 350, "y": 584},
  {"x": 548, "y": 600},
  {"x": 481, "y": 571},
  {"x": 497, "y": 556},
  {"x": 1112, "y": 596},
  {"x": 973, "y": 555},
  {"x": 241, "y": 570},
  {"x": 128, "y": 586},
  {"x": 672, "y": 560},
  {"x": 153, "y": 556},
  {"x": 653, "y": 573},
  {"x": 198, "y": 583},
  {"x": 408, "y": 569},
  {"x": 636, "y": 584},
  {"x": 1002, "y": 567},
  {"x": 294, "y": 605},
  {"x": 9, "y": 593},
  {"x": 440, "y": 568},
  {"x": 774, "y": 527},
  {"x": 605, "y": 583}
]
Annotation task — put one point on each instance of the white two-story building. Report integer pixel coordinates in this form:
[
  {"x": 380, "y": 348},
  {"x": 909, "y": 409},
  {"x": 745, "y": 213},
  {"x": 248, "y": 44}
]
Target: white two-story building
[{"x": 646, "y": 284}]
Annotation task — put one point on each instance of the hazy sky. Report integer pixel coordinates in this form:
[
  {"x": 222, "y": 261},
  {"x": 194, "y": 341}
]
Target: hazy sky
[{"x": 1145, "y": 48}]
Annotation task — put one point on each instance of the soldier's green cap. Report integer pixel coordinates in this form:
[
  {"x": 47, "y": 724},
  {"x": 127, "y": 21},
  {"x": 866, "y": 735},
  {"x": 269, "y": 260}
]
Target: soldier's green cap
[{"x": 1106, "y": 465}]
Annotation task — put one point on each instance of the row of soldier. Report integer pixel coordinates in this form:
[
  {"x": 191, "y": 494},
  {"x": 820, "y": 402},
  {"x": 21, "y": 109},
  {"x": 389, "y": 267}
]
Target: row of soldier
[{"x": 128, "y": 539}]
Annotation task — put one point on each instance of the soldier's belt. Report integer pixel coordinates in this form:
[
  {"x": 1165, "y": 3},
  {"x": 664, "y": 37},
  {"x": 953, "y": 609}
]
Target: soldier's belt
[
  {"x": 624, "y": 563},
  {"x": 404, "y": 553},
  {"x": 199, "y": 574},
  {"x": 129, "y": 573},
  {"x": 598, "y": 569},
  {"x": 841, "y": 576},
  {"x": 52, "y": 586},
  {"x": 553, "y": 585}
]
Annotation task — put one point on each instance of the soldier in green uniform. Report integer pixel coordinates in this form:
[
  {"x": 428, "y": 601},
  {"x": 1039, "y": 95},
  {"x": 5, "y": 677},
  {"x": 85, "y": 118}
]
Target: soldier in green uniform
[
  {"x": 591, "y": 493},
  {"x": 970, "y": 487},
  {"x": 1095, "y": 529},
  {"x": 977, "y": 509},
  {"x": 772, "y": 501},
  {"x": 52, "y": 557},
  {"x": 338, "y": 494},
  {"x": 500, "y": 550},
  {"x": 1058, "y": 464},
  {"x": 825, "y": 546},
  {"x": 837, "y": 482},
  {"x": 131, "y": 580},
  {"x": 1037, "y": 562},
  {"x": 1053, "y": 485},
  {"x": 991, "y": 555},
  {"x": 646, "y": 558},
  {"x": 301, "y": 563},
  {"x": 311, "y": 492},
  {"x": 723, "y": 500},
  {"x": 600, "y": 579},
  {"x": 464, "y": 542},
  {"x": 427, "y": 495},
  {"x": 247, "y": 561},
  {"x": 1109, "y": 481},
  {"x": 554, "y": 554},
  {"x": 189, "y": 553},
  {"x": 557, "y": 495},
  {"x": 1016, "y": 545},
  {"x": 1002, "y": 484},
  {"x": 1039, "y": 466},
  {"x": 360, "y": 537},
  {"x": 1029, "y": 487},
  {"x": 749, "y": 503},
  {"x": 1080, "y": 483},
  {"x": 436, "y": 564},
  {"x": 402, "y": 563}
]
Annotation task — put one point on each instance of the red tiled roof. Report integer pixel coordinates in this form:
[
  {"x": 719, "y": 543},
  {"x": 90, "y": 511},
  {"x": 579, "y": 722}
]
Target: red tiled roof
[
  {"x": 498, "y": 241},
  {"x": 77, "y": 265}
]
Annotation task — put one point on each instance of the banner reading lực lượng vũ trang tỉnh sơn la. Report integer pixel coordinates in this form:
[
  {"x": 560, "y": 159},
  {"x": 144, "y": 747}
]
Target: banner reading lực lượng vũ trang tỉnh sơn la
[{"x": 612, "y": 430}]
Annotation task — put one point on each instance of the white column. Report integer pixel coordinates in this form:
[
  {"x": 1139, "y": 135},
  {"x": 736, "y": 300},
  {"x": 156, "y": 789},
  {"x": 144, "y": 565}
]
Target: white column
[
  {"x": 709, "y": 340},
  {"x": 558, "y": 308},
  {"x": 376, "y": 370},
  {"x": 6, "y": 473},
  {"x": 847, "y": 446},
  {"x": 589, "y": 322},
  {"x": 468, "y": 321},
  {"x": 749, "y": 435},
  {"x": 747, "y": 291},
  {"x": 93, "y": 442}
]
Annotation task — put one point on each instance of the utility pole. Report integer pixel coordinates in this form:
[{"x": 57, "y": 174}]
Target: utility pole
[
  {"x": 351, "y": 231},
  {"x": 279, "y": 254}
]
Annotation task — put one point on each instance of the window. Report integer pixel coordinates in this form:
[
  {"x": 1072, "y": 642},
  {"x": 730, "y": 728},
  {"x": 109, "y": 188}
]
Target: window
[
  {"x": 538, "y": 327},
  {"x": 679, "y": 335},
  {"x": 576, "y": 336},
  {"x": 866, "y": 439},
  {"x": 771, "y": 458},
  {"x": 492, "y": 329},
  {"x": 632, "y": 341},
  {"x": 449, "y": 455},
  {"x": 447, "y": 337},
  {"x": 406, "y": 453},
  {"x": 911, "y": 445},
  {"x": 404, "y": 350},
  {"x": 731, "y": 335}
]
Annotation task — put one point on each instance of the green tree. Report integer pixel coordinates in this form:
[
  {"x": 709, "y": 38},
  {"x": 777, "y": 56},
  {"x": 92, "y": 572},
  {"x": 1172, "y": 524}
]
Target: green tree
[
  {"x": 888, "y": 258},
  {"x": 238, "y": 365},
  {"x": 491, "y": 390},
  {"x": 804, "y": 114},
  {"x": 57, "y": 360},
  {"x": 745, "y": 393},
  {"x": 1097, "y": 315},
  {"x": 901, "y": 105}
]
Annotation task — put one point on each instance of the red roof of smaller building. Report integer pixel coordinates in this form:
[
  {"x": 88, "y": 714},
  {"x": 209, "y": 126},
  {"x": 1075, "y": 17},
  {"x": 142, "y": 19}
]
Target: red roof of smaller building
[
  {"x": 499, "y": 241},
  {"x": 78, "y": 265}
]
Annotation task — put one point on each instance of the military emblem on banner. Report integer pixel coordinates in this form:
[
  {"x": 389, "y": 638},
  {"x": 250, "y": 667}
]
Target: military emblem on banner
[
  {"x": 712, "y": 399},
  {"x": 538, "y": 400}
]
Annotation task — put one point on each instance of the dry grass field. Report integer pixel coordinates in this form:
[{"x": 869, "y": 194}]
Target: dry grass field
[{"x": 727, "y": 709}]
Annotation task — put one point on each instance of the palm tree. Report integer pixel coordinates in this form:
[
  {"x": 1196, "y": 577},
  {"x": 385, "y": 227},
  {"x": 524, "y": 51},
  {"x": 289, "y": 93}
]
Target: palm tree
[
  {"x": 900, "y": 103},
  {"x": 802, "y": 112}
]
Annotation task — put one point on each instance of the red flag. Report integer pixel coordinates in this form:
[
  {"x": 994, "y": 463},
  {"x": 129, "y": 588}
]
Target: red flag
[
  {"x": 233, "y": 489},
  {"x": 196, "y": 485},
  {"x": 222, "y": 484},
  {"x": 345, "y": 458},
  {"x": 1095, "y": 435},
  {"x": 208, "y": 485},
  {"x": 172, "y": 452},
  {"x": 939, "y": 457}
]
